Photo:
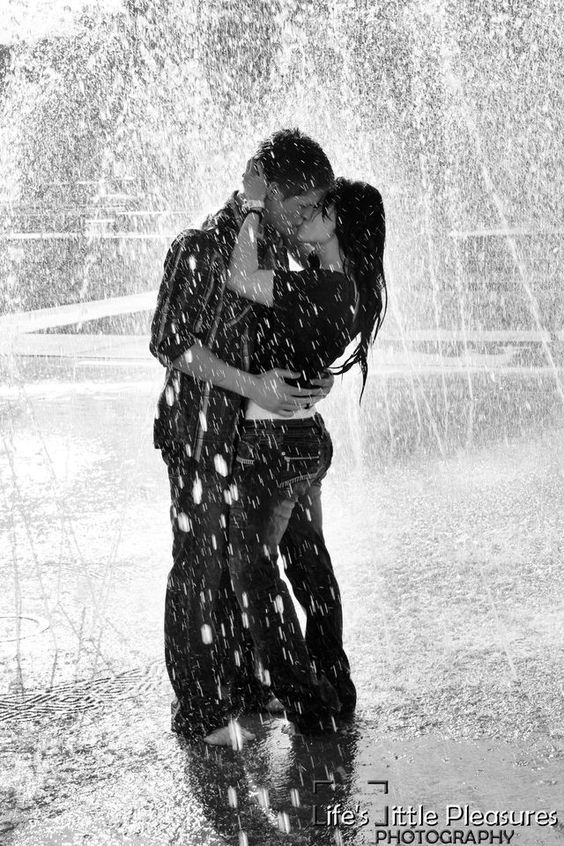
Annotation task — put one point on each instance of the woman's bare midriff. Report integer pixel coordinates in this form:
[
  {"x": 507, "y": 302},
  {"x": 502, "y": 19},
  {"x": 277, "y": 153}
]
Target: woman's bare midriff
[{"x": 255, "y": 412}]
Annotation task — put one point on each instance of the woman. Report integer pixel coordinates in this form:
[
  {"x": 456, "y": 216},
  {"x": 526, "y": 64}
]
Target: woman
[{"x": 311, "y": 316}]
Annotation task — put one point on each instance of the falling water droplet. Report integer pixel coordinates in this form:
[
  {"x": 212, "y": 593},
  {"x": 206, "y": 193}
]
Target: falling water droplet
[
  {"x": 183, "y": 522},
  {"x": 263, "y": 798},
  {"x": 284, "y": 822},
  {"x": 220, "y": 465},
  {"x": 197, "y": 490}
]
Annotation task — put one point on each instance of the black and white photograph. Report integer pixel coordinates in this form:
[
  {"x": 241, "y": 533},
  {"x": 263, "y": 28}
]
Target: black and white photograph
[{"x": 282, "y": 422}]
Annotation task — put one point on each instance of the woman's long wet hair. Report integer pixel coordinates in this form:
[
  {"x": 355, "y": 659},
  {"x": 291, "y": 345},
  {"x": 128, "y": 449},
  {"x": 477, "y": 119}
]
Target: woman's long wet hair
[{"x": 360, "y": 228}]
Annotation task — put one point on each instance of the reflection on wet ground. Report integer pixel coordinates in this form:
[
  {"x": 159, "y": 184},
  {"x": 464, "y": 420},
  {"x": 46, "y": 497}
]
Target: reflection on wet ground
[{"x": 452, "y": 581}]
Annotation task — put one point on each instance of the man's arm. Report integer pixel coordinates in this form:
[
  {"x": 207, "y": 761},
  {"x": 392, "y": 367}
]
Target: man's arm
[
  {"x": 177, "y": 324},
  {"x": 185, "y": 291},
  {"x": 177, "y": 329},
  {"x": 268, "y": 390}
]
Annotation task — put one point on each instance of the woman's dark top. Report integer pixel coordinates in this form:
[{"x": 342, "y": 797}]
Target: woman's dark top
[{"x": 309, "y": 324}]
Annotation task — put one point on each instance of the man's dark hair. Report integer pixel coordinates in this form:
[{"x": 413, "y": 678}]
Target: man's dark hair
[{"x": 295, "y": 162}]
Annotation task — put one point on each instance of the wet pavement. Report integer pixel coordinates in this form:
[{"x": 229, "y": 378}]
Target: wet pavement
[{"x": 453, "y": 590}]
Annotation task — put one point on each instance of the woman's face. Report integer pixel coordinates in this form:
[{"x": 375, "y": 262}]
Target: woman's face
[{"x": 319, "y": 228}]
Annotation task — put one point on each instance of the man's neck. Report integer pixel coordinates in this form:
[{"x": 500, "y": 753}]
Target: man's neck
[{"x": 299, "y": 251}]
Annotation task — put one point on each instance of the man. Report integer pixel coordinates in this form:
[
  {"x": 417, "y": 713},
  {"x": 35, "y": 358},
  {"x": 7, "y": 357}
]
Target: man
[{"x": 202, "y": 333}]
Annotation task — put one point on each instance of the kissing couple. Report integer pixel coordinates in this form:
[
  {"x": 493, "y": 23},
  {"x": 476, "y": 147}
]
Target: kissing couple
[{"x": 247, "y": 344}]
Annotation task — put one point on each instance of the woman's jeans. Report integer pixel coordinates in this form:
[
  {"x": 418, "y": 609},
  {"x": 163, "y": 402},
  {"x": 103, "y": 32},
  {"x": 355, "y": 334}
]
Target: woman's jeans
[{"x": 279, "y": 468}]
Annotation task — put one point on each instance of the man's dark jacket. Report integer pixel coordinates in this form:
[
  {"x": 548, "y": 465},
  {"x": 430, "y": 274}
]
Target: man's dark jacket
[{"x": 194, "y": 304}]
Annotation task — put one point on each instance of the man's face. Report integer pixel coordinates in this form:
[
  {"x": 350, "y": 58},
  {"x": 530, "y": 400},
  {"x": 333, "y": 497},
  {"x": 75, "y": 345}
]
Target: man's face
[{"x": 287, "y": 215}]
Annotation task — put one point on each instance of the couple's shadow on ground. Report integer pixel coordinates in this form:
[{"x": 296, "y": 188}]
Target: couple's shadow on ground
[{"x": 277, "y": 788}]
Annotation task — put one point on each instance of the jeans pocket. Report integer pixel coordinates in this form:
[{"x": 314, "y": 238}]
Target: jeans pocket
[
  {"x": 247, "y": 453},
  {"x": 256, "y": 448},
  {"x": 302, "y": 470},
  {"x": 300, "y": 460},
  {"x": 310, "y": 455},
  {"x": 302, "y": 444}
]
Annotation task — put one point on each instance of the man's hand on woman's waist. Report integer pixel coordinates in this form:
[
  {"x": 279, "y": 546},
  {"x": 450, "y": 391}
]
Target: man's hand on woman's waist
[
  {"x": 325, "y": 383},
  {"x": 272, "y": 392}
]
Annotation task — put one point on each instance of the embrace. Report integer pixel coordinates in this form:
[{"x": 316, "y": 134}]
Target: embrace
[{"x": 247, "y": 344}]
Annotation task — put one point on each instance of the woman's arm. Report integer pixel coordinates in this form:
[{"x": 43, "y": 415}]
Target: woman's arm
[{"x": 245, "y": 277}]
